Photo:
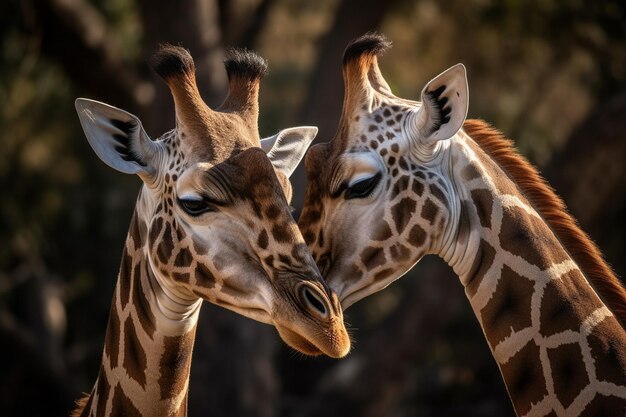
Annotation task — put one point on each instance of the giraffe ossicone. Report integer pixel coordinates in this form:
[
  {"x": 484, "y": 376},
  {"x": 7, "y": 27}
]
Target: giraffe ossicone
[
  {"x": 212, "y": 222},
  {"x": 403, "y": 178}
]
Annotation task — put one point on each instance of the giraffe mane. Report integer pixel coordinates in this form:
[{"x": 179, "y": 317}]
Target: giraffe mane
[
  {"x": 554, "y": 212},
  {"x": 81, "y": 403}
]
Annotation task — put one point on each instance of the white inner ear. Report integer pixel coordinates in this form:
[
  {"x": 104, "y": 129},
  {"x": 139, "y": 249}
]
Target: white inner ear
[
  {"x": 436, "y": 121},
  {"x": 116, "y": 146},
  {"x": 287, "y": 148}
]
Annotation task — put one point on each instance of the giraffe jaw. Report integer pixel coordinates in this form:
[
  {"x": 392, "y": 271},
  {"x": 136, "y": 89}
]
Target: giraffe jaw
[
  {"x": 297, "y": 342},
  {"x": 338, "y": 345},
  {"x": 334, "y": 343}
]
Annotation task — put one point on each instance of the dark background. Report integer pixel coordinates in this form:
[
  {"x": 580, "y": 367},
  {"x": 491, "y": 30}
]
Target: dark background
[{"x": 550, "y": 74}]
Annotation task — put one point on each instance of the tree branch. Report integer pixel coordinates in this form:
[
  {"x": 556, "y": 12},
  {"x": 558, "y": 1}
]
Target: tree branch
[
  {"x": 74, "y": 34},
  {"x": 194, "y": 25}
]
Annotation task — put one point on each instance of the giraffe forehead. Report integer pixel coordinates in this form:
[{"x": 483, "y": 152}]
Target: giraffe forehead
[{"x": 380, "y": 131}]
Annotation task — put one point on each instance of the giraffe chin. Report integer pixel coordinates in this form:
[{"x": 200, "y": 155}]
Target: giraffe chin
[{"x": 303, "y": 345}]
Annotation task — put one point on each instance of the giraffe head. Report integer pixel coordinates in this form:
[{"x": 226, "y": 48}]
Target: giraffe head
[
  {"x": 378, "y": 197},
  {"x": 212, "y": 217}
]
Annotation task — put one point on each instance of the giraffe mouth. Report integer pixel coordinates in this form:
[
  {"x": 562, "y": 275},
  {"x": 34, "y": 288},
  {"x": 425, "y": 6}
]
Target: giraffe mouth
[
  {"x": 334, "y": 342},
  {"x": 298, "y": 342}
]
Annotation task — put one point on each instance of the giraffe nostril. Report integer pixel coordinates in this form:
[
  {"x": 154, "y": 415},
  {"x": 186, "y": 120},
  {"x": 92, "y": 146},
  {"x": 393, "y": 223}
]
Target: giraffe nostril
[{"x": 313, "y": 301}]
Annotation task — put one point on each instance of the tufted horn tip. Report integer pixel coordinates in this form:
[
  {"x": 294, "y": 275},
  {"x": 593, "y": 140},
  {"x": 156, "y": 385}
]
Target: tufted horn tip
[
  {"x": 172, "y": 61},
  {"x": 175, "y": 65},
  {"x": 244, "y": 64},
  {"x": 245, "y": 70},
  {"x": 368, "y": 45}
]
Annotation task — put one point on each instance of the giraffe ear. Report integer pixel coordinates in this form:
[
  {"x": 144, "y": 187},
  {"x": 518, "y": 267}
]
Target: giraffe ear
[
  {"x": 287, "y": 148},
  {"x": 117, "y": 137},
  {"x": 445, "y": 102}
]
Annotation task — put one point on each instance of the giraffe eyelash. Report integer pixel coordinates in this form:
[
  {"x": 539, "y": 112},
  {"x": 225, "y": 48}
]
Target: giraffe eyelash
[{"x": 363, "y": 188}]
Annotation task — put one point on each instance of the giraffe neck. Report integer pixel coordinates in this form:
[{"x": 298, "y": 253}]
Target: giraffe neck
[
  {"x": 149, "y": 339},
  {"x": 559, "y": 348}
]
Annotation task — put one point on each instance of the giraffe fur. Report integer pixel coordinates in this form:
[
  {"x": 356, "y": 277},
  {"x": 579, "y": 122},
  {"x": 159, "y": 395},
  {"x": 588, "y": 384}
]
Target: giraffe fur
[
  {"x": 402, "y": 179},
  {"x": 211, "y": 223}
]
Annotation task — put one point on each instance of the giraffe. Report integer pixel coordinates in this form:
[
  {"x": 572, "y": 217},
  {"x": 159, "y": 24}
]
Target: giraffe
[
  {"x": 402, "y": 179},
  {"x": 212, "y": 223}
]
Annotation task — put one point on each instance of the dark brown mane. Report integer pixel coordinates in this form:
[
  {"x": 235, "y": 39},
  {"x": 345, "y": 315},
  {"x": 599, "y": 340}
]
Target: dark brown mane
[
  {"x": 80, "y": 405},
  {"x": 552, "y": 209}
]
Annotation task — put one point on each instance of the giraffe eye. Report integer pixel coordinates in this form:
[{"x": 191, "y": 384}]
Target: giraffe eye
[
  {"x": 195, "y": 207},
  {"x": 363, "y": 188}
]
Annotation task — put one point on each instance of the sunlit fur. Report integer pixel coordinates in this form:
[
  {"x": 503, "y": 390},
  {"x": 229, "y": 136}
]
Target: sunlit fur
[{"x": 543, "y": 198}]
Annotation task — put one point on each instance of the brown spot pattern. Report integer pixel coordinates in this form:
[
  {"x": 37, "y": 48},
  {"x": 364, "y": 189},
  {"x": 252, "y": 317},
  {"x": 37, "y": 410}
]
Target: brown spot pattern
[
  {"x": 417, "y": 236},
  {"x": 102, "y": 388},
  {"x": 528, "y": 237},
  {"x": 403, "y": 183},
  {"x": 438, "y": 193},
  {"x": 155, "y": 230},
  {"x": 565, "y": 304},
  {"x": 509, "y": 307},
  {"x": 133, "y": 232},
  {"x": 112, "y": 338},
  {"x": 417, "y": 187},
  {"x": 373, "y": 257},
  {"x": 464, "y": 226},
  {"x": 482, "y": 262},
  {"x": 121, "y": 405},
  {"x": 402, "y": 213},
  {"x": 263, "y": 239},
  {"x": 429, "y": 211},
  {"x": 483, "y": 202},
  {"x": 385, "y": 273},
  {"x": 125, "y": 277},
  {"x": 382, "y": 233},
  {"x": 272, "y": 212},
  {"x": 166, "y": 245},
  {"x": 135, "y": 361},
  {"x": 204, "y": 276},
  {"x": 470, "y": 172},
  {"x": 608, "y": 349},
  {"x": 524, "y": 377},
  {"x": 175, "y": 364},
  {"x": 605, "y": 406},
  {"x": 199, "y": 247},
  {"x": 184, "y": 258},
  {"x": 142, "y": 307},
  {"x": 280, "y": 233},
  {"x": 568, "y": 372},
  {"x": 399, "y": 252}
]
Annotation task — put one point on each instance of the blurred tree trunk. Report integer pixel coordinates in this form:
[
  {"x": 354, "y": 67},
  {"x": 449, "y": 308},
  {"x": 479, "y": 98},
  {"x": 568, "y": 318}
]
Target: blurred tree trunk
[
  {"x": 194, "y": 25},
  {"x": 74, "y": 33},
  {"x": 322, "y": 106},
  {"x": 590, "y": 175}
]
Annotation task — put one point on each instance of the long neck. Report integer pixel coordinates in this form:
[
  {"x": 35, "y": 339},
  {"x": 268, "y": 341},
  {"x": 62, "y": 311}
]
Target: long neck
[
  {"x": 559, "y": 348},
  {"x": 148, "y": 344}
]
